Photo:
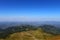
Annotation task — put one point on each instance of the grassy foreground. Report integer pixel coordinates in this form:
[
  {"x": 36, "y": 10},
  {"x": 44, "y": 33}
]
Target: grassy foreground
[{"x": 30, "y": 35}]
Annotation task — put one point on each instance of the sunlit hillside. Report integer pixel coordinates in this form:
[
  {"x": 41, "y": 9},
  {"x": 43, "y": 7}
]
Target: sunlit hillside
[
  {"x": 28, "y": 32},
  {"x": 30, "y": 35}
]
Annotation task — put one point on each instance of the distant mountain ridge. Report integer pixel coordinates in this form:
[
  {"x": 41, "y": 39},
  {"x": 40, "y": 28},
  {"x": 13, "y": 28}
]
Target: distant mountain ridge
[{"x": 9, "y": 24}]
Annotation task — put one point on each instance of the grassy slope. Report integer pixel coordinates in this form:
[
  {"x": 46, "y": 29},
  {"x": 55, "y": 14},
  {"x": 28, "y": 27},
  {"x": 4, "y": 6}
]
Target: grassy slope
[
  {"x": 55, "y": 38},
  {"x": 30, "y": 35}
]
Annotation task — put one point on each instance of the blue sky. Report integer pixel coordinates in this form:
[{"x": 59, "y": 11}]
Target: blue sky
[{"x": 29, "y": 10}]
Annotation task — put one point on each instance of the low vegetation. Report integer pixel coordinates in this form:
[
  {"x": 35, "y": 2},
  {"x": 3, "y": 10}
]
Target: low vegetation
[{"x": 28, "y": 32}]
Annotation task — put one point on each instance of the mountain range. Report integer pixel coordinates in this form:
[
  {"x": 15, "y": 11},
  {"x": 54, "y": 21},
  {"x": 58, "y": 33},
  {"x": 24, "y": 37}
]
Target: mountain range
[{"x": 9, "y": 24}]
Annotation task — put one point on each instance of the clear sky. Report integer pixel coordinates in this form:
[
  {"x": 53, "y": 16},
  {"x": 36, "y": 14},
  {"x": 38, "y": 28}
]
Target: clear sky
[{"x": 29, "y": 10}]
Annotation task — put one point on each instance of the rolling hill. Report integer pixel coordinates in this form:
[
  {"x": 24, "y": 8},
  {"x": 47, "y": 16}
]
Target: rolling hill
[
  {"x": 28, "y": 32},
  {"x": 30, "y": 35}
]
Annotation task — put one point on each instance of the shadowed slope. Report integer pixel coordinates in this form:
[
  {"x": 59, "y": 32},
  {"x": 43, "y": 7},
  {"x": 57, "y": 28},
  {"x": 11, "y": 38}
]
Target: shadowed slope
[{"x": 55, "y": 38}]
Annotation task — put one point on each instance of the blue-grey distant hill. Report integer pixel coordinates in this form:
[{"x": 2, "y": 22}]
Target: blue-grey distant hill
[{"x": 9, "y": 24}]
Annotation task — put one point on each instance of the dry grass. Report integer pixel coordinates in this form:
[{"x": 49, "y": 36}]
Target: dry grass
[
  {"x": 32, "y": 35},
  {"x": 55, "y": 38}
]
